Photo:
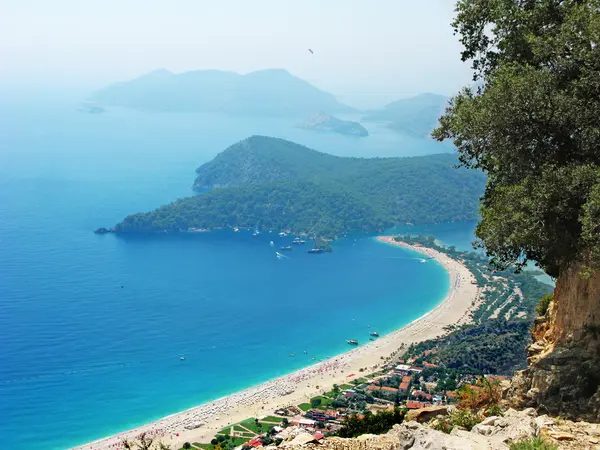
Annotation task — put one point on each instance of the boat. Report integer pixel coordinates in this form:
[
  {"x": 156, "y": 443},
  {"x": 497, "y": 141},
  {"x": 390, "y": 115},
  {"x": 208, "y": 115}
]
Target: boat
[
  {"x": 298, "y": 241},
  {"x": 292, "y": 355},
  {"x": 374, "y": 333},
  {"x": 280, "y": 255},
  {"x": 352, "y": 341},
  {"x": 287, "y": 248},
  {"x": 182, "y": 358},
  {"x": 272, "y": 244},
  {"x": 315, "y": 250},
  {"x": 236, "y": 229},
  {"x": 282, "y": 234}
]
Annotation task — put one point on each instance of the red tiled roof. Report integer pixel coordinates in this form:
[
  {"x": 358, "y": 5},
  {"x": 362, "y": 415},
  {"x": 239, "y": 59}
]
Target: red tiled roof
[
  {"x": 404, "y": 386},
  {"x": 426, "y": 364},
  {"x": 318, "y": 436},
  {"x": 451, "y": 394},
  {"x": 384, "y": 388},
  {"x": 406, "y": 379}
]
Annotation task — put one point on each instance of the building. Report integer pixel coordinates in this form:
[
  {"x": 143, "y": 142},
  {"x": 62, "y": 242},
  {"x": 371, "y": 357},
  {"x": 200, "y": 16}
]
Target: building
[
  {"x": 416, "y": 405},
  {"x": 373, "y": 388},
  {"x": 404, "y": 387}
]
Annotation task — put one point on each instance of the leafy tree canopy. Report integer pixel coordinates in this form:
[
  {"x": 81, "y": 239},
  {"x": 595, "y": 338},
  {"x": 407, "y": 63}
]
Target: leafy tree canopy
[{"x": 533, "y": 124}]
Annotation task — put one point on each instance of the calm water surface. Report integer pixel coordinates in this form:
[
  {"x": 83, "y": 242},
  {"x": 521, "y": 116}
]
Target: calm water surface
[{"x": 92, "y": 327}]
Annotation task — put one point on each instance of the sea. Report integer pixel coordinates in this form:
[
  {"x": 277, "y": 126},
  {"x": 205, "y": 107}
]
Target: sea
[{"x": 93, "y": 327}]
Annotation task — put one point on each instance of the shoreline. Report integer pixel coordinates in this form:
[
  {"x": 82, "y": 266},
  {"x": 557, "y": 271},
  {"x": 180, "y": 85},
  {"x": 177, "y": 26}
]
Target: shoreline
[{"x": 300, "y": 386}]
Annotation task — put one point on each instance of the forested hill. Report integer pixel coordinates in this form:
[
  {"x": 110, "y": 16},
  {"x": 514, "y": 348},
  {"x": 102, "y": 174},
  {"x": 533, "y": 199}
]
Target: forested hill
[{"x": 274, "y": 184}]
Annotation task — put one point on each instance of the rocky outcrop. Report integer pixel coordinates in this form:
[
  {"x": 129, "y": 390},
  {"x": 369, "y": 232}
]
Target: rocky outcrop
[
  {"x": 426, "y": 414},
  {"x": 563, "y": 376}
]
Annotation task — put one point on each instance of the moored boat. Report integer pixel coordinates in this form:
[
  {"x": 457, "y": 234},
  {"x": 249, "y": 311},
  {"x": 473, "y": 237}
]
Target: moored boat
[{"x": 352, "y": 341}]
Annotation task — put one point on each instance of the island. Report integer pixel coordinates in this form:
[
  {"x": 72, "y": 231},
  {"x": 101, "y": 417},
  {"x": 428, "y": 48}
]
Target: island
[
  {"x": 415, "y": 116},
  {"x": 325, "y": 122},
  {"x": 271, "y": 92},
  {"x": 270, "y": 184},
  {"x": 91, "y": 109}
]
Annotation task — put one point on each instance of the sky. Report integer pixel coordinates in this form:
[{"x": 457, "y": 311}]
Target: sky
[{"x": 390, "y": 48}]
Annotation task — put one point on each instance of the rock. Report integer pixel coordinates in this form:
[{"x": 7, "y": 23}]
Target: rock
[
  {"x": 103, "y": 230},
  {"x": 531, "y": 412},
  {"x": 542, "y": 422},
  {"x": 562, "y": 436},
  {"x": 426, "y": 414},
  {"x": 484, "y": 430},
  {"x": 490, "y": 420}
]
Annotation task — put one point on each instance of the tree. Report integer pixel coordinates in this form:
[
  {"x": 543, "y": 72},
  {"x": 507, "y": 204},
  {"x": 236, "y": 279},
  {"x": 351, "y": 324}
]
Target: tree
[
  {"x": 285, "y": 422},
  {"x": 532, "y": 125},
  {"x": 315, "y": 402},
  {"x": 187, "y": 445}
]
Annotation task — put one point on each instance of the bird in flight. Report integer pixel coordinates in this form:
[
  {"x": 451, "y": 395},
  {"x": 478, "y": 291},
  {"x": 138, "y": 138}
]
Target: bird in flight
[{"x": 311, "y": 52}]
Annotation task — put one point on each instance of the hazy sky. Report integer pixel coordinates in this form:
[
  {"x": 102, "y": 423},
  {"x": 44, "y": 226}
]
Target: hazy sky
[{"x": 376, "y": 47}]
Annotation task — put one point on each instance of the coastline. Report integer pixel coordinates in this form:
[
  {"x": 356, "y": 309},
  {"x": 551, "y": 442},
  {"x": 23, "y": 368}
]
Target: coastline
[{"x": 300, "y": 386}]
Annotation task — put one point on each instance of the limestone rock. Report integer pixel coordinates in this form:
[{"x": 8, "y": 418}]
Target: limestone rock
[{"x": 426, "y": 414}]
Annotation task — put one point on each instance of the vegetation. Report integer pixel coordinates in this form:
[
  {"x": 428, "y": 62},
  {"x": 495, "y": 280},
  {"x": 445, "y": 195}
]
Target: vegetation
[
  {"x": 496, "y": 341},
  {"x": 536, "y": 443},
  {"x": 273, "y": 184},
  {"x": 144, "y": 442},
  {"x": 532, "y": 126},
  {"x": 543, "y": 305},
  {"x": 371, "y": 423}
]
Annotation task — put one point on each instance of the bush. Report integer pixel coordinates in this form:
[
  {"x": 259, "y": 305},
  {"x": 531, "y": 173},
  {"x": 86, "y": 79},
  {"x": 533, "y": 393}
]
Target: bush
[
  {"x": 187, "y": 445},
  {"x": 543, "y": 305},
  {"x": 464, "y": 418},
  {"x": 315, "y": 402},
  {"x": 214, "y": 442},
  {"x": 485, "y": 395},
  {"x": 536, "y": 443}
]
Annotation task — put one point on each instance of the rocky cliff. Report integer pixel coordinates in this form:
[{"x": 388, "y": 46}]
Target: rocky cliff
[{"x": 564, "y": 361}]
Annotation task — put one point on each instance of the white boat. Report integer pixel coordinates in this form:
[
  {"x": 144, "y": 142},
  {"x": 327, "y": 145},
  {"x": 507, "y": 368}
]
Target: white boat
[
  {"x": 272, "y": 244},
  {"x": 282, "y": 234},
  {"x": 236, "y": 229},
  {"x": 182, "y": 358}
]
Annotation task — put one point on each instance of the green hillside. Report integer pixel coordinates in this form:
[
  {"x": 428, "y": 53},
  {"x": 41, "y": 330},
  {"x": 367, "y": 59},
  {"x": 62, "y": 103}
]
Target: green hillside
[{"x": 274, "y": 184}]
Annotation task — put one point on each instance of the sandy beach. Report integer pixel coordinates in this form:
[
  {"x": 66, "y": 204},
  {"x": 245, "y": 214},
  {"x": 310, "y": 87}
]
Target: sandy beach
[{"x": 200, "y": 424}]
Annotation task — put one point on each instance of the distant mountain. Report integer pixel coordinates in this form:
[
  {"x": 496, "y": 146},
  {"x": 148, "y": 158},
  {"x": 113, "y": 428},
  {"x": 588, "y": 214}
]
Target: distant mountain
[
  {"x": 325, "y": 122},
  {"x": 416, "y": 115},
  {"x": 274, "y": 184},
  {"x": 265, "y": 92}
]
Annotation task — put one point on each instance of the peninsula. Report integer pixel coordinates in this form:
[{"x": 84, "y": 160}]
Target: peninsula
[
  {"x": 272, "y": 184},
  {"x": 327, "y": 123}
]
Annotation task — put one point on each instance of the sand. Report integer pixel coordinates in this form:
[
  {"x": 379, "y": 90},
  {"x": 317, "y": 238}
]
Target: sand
[{"x": 304, "y": 384}]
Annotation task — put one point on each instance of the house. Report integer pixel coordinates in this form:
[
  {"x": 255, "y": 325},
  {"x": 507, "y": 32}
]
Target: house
[
  {"x": 430, "y": 366},
  {"x": 403, "y": 367},
  {"x": 406, "y": 379},
  {"x": 404, "y": 387},
  {"x": 318, "y": 436},
  {"x": 421, "y": 394}
]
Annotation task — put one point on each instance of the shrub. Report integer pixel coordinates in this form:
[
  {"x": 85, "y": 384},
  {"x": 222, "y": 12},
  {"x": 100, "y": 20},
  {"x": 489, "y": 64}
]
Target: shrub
[
  {"x": 187, "y": 445},
  {"x": 464, "y": 418},
  {"x": 214, "y": 442},
  {"x": 536, "y": 443},
  {"x": 484, "y": 395},
  {"x": 315, "y": 402},
  {"x": 543, "y": 305}
]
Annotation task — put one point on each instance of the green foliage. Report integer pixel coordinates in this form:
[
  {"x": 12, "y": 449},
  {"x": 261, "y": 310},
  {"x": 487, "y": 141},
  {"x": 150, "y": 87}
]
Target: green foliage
[
  {"x": 464, "y": 418},
  {"x": 371, "y": 423},
  {"x": 275, "y": 184},
  {"x": 315, "y": 402},
  {"x": 187, "y": 445},
  {"x": 532, "y": 126},
  {"x": 543, "y": 305},
  {"x": 536, "y": 443}
]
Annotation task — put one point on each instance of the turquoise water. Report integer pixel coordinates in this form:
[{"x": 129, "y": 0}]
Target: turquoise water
[{"x": 92, "y": 327}]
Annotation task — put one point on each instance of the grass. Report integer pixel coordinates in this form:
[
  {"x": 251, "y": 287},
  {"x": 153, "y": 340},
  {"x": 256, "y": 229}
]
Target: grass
[
  {"x": 536, "y": 443},
  {"x": 325, "y": 401},
  {"x": 272, "y": 419},
  {"x": 343, "y": 387},
  {"x": 304, "y": 406}
]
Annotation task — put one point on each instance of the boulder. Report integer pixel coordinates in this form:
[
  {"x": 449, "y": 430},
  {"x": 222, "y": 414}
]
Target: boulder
[{"x": 426, "y": 414}]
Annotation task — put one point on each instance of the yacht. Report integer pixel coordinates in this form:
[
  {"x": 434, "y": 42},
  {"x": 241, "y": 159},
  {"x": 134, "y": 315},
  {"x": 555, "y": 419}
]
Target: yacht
[
  {"x": 374, "y": 333},
  {"x": 286, "y": 248},
  {"x": 352, "y": 341}
]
